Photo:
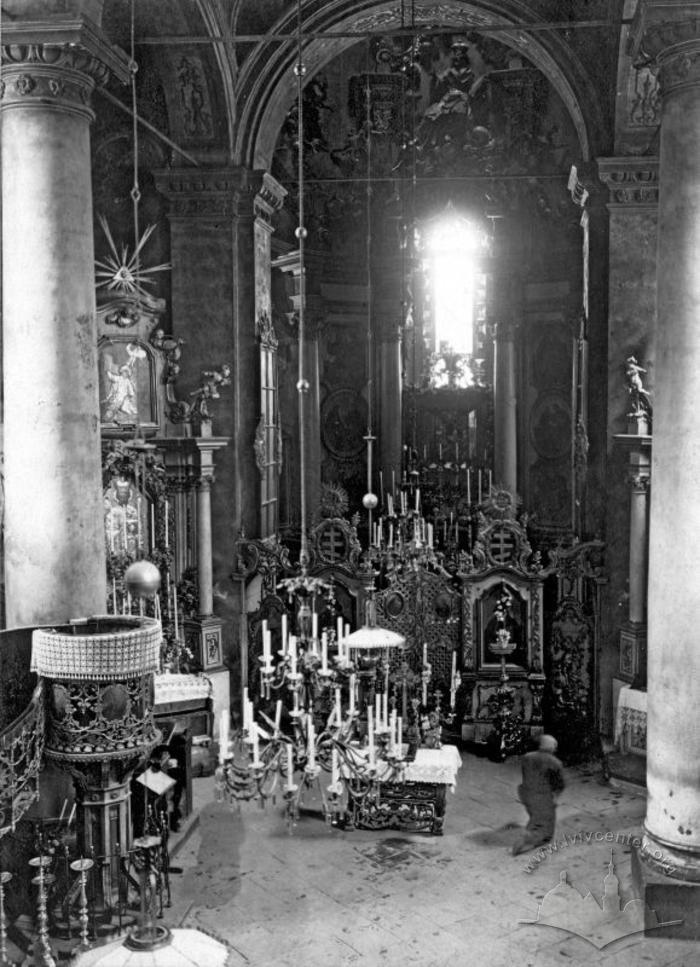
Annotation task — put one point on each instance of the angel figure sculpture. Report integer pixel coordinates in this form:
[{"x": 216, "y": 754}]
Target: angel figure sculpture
[
  {"x": 641, "y": 405},
  {"x": 209, "y": 390}
]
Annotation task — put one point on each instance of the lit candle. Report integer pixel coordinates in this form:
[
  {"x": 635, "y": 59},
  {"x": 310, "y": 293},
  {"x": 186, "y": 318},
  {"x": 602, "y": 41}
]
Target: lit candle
[
  {"x": 290, "y": 766},
  {"x": 223, "y": 735}
]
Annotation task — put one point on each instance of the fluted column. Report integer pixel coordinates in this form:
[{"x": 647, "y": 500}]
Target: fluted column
[
  {"x": 672, "y": 840},
  {"x": 54, "y": 533}
]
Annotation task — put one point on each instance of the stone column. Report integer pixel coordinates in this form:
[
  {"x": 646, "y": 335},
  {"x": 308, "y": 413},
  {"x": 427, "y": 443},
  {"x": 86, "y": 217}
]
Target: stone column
[
  {"x": 672, "y": 839},
  {"x": 505, "y": 412},
  {"x": 54, "y": 531}
]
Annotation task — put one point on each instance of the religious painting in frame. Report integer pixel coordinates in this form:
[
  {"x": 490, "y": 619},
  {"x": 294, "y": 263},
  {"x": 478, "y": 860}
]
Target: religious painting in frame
[{"x": 127, "y": 383}]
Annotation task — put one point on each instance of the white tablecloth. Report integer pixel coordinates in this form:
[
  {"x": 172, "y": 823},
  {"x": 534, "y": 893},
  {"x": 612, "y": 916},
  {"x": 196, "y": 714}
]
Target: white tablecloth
[
  {"x": 631, "y": 720},
  {"x": 430, "y": 765}
]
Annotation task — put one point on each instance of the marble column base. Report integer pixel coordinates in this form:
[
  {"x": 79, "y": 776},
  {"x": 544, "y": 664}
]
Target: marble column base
[{"x": 667, "y": 900}]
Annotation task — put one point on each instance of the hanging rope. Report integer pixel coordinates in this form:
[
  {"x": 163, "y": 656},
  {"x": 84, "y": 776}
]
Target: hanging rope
[
  {"x": 370, "y": 500},
  {"x": 135, "y": 189},
  {"x": 302, "y": 383}
]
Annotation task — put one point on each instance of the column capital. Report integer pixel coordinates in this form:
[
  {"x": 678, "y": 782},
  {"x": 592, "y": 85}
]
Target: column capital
[
  {"x": 56, "y": 64},
  {"x": 633, "y": 183},
  {"x": 666, "y": 33},
  {"x": 221, "y": 192}
]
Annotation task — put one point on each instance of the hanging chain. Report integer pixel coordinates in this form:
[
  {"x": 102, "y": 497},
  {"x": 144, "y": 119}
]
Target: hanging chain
[
  {"x": 135, "y": 190},
  {"x": 302, "y": 382}
]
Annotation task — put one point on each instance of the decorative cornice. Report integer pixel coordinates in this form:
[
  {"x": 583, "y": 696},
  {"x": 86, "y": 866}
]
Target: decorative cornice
[
  {"x": 215, "y": 193},
  {"x": 633, "y": 183},
  {"x": 56, "y": 65}
]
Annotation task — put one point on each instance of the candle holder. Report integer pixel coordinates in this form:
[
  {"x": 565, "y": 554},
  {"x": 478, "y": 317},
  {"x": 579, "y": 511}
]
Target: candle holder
[
  {"x": 83, "y": 866},
  {"x": 41, "y": 880}
]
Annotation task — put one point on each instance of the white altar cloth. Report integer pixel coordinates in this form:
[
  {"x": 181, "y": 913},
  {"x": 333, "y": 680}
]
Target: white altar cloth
[{"x": 430, "y": 765}]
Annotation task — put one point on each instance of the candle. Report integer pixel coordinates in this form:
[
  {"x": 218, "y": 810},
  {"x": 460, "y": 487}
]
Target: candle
[
  {"x": 457, "y": 453},
  {"x": 72, "y": 814},
  {"x": 393, "y": 482},
  {"x": 267, "y": 654},
  {"x": 63, "y": 809},
  {"x": 339, "y": 629},
  {"x": 478, "y": 478},
  {"x": 399, "y": 729},
  {"x": 293, "y": 653},
  {"x": 124, "y": 534},
  {"x": 439, "y": 451},
  {"x": 324, "y": 652},
  {"x": 334, "y": 766},
  {"x": 385, "y": 700},
  {"x": 174, "y": 610},
  {"x": 223, "y": 735},
  {"x": 114, "y": 596},
  {"x": 425, "y": 653},
  {"x": 167, "y": 514},
  {"x": 370, "y": 735},
  {"x": 311, "y": 746},
  {"x": 381, "y": 487},
  {"x": 284, "y": 633},
  {"x": 417, "y": 499},
  {"x": 246, "y": 723},
  {"x": 278, "y": 714},
  {"x": 290, "y": 765},
  {"x": 390, "y": 502},
  {"x": 490, "y": 482},
  {"x": 153, "y": 526},
  {"x": 378, "y": 710},
  {"x": 338, "y": 707},
  {"x": 469, "y": 486},
  {"x": 425, "y": 693},
  {"x": 351, "y": 696},
  {"x": 314, "y": 626},
  {"x": 391, "y": 535},
  {"x": 454, "y": 663},
  {"x": 138, "y": 522},
  {"x": 392, "y": 730}
]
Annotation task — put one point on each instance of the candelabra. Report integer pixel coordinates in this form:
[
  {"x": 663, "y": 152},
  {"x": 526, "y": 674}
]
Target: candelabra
[
  {"x": 82, "y": 866},
  {"x": 42, "y": 881},
  {"x": 332, "y": 714}
]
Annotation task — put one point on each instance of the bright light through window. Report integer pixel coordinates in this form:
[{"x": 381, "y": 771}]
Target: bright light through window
[{"x": 452, "y": 246}]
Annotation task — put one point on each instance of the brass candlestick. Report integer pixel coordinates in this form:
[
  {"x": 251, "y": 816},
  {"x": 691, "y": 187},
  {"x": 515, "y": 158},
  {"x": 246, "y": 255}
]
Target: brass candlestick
[
  {"x": 82, "y": 866},
  {"x": 41, "y": 880}
]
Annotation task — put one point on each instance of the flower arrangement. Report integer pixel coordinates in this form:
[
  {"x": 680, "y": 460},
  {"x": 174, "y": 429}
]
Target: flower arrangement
[{"x": 503, "y": 643}]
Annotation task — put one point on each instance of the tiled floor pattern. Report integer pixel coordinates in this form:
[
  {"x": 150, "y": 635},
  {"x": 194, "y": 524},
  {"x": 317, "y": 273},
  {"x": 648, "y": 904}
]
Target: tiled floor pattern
[{"x": 317, "y": 896}]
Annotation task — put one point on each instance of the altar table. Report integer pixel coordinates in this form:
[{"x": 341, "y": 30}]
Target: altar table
[{"x": 411, "y": 797}]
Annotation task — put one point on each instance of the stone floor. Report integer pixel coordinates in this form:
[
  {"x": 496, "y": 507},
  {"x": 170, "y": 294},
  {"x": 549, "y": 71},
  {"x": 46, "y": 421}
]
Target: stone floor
[{"x": 318, "y": 896}]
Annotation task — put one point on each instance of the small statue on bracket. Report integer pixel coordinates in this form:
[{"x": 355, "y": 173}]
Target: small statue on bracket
[{"x": 641, "y": 404}]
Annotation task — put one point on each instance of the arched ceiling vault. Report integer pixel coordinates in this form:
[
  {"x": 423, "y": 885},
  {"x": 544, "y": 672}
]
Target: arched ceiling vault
[{"x": 266, "y": 85}]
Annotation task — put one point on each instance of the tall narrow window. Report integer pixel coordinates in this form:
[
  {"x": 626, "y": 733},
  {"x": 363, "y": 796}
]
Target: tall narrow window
[{"x": 455, "y": 288}]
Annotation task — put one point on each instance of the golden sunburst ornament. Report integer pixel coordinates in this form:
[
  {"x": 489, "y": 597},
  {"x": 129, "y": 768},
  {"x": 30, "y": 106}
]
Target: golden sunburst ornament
[{"x": 123, "y": 274}]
